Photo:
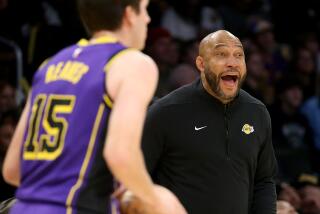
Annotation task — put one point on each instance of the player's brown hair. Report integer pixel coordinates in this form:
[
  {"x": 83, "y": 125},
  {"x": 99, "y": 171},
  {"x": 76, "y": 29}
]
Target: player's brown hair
[{"x": 104, "y": 14}]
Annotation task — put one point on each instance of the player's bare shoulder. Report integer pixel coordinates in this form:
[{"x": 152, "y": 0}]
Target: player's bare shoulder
[
  {"x": 132, "y": 67},
  {"x": 135, "y": 60}
]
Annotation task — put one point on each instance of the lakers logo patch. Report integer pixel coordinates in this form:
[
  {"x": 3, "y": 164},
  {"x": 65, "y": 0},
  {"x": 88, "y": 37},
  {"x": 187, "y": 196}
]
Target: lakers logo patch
[{"x": 247, "y": 129}]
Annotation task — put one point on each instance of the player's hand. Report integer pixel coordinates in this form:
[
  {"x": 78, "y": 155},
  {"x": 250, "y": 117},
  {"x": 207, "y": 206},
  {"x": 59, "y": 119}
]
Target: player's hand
[
  {"x": 166, "y": 203},
  {"x": 130, "y": 204},
  {"x": 283, "y": 207},
  {"x": 291, "y": 195}
]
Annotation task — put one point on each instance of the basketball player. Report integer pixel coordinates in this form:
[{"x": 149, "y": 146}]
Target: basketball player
[{"x": 86, "y": 108}]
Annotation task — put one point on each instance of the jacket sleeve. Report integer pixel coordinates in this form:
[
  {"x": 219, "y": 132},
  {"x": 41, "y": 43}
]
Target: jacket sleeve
[
  {"x": 264, "y": 190},
  {"x": 152, "y": 140}
]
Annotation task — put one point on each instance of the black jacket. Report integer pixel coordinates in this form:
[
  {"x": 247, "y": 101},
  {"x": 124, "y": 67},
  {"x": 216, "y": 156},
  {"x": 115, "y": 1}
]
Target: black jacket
[{"x": 217, "y": 159}]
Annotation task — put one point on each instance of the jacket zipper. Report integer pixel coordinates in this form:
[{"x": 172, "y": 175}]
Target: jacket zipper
[{"x": 227, "y": 131}]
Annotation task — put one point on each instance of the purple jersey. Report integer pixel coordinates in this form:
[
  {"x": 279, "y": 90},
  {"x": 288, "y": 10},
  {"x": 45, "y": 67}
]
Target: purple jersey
[{"x": 62, "y": 164}]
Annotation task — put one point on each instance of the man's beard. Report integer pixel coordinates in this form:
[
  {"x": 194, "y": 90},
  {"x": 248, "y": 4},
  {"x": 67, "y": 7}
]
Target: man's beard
[{"x": 213, "y": 81}]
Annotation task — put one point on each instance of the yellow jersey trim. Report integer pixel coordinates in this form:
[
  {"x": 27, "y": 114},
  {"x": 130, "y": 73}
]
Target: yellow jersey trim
[
  {"x": 107, "y": 100},
  {"x": 99, "y": 40},
  {"x": 44, "y": 63},
  {"x": 86, "y": 160},
  {"x": 117, "y": 55}
]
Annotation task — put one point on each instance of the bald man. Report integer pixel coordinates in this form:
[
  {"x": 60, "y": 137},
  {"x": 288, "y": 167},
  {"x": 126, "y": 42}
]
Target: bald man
[{"x": 210, "y": 142}]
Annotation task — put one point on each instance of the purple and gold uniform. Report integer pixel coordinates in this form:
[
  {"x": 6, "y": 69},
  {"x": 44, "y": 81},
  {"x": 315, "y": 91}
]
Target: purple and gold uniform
[{"x": 62, "y": 166}]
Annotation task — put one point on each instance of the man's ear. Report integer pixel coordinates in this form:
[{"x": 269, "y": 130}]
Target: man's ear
[
  {"x": 129, "y": 16},
  {"x": 200, "y": 63}
]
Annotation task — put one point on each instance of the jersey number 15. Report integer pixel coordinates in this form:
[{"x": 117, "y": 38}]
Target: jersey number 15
[{"x": 47, "y": 113}]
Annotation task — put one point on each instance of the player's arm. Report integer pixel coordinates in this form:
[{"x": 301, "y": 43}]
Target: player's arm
[
  {"x": 131, "y": 82},
  {"x": 11, "y": 166}
]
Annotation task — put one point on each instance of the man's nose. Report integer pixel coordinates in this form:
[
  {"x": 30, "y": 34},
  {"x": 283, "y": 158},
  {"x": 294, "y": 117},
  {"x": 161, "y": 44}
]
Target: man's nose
[{"x": 232, "y": 61}]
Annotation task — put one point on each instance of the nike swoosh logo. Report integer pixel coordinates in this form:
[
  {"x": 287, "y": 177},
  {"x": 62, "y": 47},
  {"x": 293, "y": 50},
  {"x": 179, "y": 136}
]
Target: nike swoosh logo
[{"x": 197, "y": 129}]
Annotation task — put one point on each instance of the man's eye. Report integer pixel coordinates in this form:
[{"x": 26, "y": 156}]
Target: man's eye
[
  {"x": 220, "y": 54},
  {"x": 239, "y": 54}
]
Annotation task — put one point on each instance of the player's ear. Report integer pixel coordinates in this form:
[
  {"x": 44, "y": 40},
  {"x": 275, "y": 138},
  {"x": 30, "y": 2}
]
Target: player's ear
[
  {"x": 200, "y": 63},
  {"x": 129, "y": 15}
]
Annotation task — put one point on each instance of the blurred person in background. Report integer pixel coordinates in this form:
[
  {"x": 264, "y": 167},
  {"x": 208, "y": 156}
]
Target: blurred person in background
[
  {"x": 181, "y": 75},
  {"x": 291, "y": 133},
  {"x": 275, "y": 55},
  {"x": 236, "y": 13},
  {"x": 257, "y": 80},
  {"x": 304, "y": 68},
  {"x": 188, "y": 52},
  {"x": 310, "y": 195},
  {"x": 165, "y": 52},
  {"x": 311, "y": 42},
  {"x": 311, "y": 110},
  {"x": 188, "y": 20},
  {"x": 284, "y": 207},
  {"x": 7, "y": 97},
  {"x": 303, "y": 194},
  {"x": 289, "y": 193}
]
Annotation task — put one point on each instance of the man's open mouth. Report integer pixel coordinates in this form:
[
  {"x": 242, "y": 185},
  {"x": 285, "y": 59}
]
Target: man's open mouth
[{"x": 230, "y": 80}]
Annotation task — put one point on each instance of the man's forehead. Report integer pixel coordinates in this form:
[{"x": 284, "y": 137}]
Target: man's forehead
[
  {"x": 227, "y": 44},
  {"x": 219, "y": 39},
  {"x": 225, "y": 41},
  {"x": 222, "y": 45}
]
